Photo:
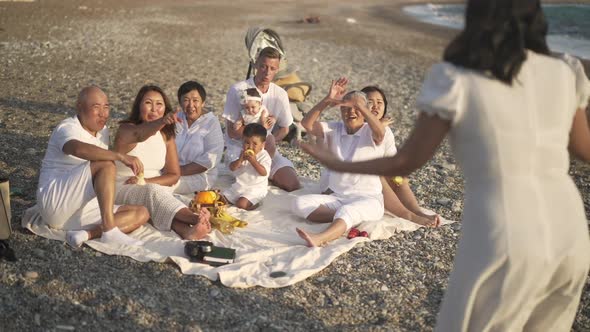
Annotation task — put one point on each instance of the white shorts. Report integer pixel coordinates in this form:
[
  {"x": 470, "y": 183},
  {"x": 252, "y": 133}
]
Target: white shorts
[
  {"x": 69, "y": 202},
  {"x": 279, "y": 161},
  {"x": 255, "y": 196},
  {"x": 352, "y": 209}
]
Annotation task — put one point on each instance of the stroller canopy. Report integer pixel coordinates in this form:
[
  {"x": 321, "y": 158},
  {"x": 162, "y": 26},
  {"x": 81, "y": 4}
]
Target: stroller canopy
[{"x": 258, "y": 38}]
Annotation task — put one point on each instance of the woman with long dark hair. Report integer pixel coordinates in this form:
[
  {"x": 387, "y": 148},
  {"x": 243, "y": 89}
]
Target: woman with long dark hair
[
  {"x": 511, "y": 111},
  {"x": 148, "y": 134}
]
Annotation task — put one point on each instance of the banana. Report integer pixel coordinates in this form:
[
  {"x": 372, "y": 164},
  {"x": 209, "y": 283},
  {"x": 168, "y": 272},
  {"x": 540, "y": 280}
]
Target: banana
[{"x": 140, "y": 179}]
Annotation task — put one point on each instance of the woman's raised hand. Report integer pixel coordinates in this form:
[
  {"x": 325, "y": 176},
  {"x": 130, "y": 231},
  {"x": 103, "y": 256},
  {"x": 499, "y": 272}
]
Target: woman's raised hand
[
  {"x": 337, "y": 91},
  {"x": 386, "y": 121},
  {"x": 171, "y": 118}
]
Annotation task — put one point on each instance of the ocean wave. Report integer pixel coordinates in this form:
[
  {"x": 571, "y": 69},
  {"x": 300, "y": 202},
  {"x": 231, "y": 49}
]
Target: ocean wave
[{"x": 564, "y": 35}]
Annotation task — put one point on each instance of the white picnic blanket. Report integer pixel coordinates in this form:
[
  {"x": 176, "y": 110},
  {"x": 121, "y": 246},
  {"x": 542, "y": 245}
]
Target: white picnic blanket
[{"x": 268, "y": 244}]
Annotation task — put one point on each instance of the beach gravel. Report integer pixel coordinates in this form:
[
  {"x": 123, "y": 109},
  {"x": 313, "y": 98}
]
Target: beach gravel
[{"x": 49, "y": 50}]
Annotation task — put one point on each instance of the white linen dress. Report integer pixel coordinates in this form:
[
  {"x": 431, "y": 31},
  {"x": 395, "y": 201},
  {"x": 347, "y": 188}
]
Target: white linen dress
[
  {"x": 159, "y": 201},
  {"x": 524, "y": 253}
]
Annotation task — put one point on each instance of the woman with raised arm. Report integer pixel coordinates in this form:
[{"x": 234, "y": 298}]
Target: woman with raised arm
[
  {"x": 358, "y": 136},
  {"x": 511, "y": 111},
  {"x": 398, "y": 197},
  {"x": 148, "y": 134}
]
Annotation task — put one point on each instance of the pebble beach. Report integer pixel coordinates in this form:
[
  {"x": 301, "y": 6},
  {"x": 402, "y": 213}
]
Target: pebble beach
[{"x": 50, "y": 49}]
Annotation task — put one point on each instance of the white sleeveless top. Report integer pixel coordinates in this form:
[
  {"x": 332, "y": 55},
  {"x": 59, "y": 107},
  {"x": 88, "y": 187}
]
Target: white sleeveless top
[{"x": 151, "y": 152}]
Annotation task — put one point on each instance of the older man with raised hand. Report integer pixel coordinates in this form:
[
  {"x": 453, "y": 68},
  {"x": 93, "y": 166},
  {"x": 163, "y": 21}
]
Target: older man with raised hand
[
  {"x": 76, "y": 189},
  {"x": 276, "y": 100}
]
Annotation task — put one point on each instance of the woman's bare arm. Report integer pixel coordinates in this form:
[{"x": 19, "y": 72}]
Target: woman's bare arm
[
  {"x": 130, "y": 134},
  {"x": 579, "y": 144},
  {"x": 428, "y": 133}
]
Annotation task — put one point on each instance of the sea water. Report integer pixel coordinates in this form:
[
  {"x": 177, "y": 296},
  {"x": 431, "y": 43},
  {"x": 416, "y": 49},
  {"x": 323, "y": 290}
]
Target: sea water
[{"x": 569, "y": 24}]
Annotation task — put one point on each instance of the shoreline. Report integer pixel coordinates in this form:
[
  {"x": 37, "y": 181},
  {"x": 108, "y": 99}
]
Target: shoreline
[{"x": 448, "y": 33}]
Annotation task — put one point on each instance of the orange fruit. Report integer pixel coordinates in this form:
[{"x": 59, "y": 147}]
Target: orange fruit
[{"x": 206, "y": 197}]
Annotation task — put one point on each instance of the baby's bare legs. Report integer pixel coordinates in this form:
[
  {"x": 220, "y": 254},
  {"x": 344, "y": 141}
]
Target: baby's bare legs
[{"x": 245, "y": 204}]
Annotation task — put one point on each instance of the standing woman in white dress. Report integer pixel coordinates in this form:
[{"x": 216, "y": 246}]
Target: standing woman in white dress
[
  {"x": 199, "y": 140},
  {"x": 511, "y": 111},
  {"x": 148, "y": 134}
]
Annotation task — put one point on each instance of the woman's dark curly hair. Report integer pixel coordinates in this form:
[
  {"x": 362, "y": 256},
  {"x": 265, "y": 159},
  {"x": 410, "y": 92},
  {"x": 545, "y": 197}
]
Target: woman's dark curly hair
[
  {"x": 134, "y": 116},
  {"x": 496, "y": 35}
]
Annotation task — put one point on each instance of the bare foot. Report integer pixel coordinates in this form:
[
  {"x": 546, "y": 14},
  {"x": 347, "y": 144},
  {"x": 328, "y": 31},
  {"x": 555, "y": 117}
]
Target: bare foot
[
  {"x": 311, "y": 242},
  {"x": 427, "y": 220}
]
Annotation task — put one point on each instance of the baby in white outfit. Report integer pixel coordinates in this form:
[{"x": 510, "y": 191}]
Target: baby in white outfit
[{"x": 252, "y": 109}]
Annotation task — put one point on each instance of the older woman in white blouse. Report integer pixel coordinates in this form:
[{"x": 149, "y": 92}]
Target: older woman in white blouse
[
  {"x": 359, "y": 136},
  {"x": 199, "y": 141}
]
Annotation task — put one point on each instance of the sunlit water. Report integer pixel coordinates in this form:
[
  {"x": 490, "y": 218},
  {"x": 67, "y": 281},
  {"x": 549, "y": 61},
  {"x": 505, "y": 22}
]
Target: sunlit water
[{"x": 569, "y": 24}]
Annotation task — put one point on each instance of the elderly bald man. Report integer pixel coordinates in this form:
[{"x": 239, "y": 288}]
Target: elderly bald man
[{"x": 76, "y": 189}]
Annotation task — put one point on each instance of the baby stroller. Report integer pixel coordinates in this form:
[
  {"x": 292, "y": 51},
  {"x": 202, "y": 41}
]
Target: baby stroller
[{"x": 258, "y": 38}]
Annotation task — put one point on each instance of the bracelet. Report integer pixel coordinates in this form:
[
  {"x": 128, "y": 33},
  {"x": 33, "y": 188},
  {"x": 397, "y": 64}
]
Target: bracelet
[{"x": 398, "y": 180}]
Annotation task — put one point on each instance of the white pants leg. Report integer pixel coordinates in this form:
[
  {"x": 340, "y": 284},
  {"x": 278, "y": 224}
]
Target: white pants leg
[
  {"x": 69, "y": 202},
  {"x": 353, "y": 210}
]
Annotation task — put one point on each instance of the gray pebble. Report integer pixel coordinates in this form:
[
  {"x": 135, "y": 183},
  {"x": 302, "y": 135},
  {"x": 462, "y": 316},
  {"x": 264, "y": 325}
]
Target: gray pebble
[
  {"x": 214, "y": 293},
  {"x": 443, "y": 201}
]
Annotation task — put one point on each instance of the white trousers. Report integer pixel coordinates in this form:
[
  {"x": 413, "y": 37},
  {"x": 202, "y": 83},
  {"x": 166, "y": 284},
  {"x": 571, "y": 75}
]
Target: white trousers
[
  {"x": 352, "y": 209},
  {"x": 69, "y": 202}
]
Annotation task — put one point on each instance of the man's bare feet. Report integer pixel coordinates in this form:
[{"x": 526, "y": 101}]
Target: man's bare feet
[{"x": 310, "y": 239}]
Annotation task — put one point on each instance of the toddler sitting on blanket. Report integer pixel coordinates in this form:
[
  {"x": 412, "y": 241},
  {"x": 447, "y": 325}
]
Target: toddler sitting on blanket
[{"x": 251, "y": 169}]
